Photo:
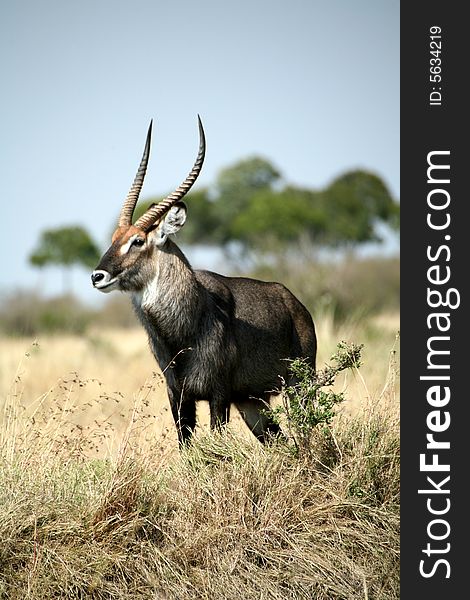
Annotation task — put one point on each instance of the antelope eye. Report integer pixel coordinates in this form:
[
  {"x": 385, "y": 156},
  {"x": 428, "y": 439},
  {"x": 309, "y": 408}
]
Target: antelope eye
[{"x": 138, "y": 242}]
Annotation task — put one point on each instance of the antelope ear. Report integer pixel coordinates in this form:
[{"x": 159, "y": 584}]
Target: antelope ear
[{"x": 172, "y": 222}]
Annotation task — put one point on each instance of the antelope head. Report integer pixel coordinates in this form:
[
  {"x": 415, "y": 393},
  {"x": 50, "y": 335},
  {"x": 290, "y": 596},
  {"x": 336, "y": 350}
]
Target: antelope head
[{"x": 125, "y": 264}]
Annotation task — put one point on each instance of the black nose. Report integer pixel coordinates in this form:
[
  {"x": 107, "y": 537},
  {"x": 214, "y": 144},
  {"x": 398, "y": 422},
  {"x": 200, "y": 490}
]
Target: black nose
[{"x": 95, "y": 277}]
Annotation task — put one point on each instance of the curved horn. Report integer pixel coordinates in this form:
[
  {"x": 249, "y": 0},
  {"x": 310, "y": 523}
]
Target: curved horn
[
  {"x": 127, "y": 210},
  {"x": 156, "y": 211}
]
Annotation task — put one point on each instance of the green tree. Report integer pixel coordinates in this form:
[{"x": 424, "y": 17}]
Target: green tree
[
  {"x": 212, "y": 212},
  {"x": 353, "y": 204},
  {"x": 248, "y": 205},
  {"x": 246, "y": 177},
  {"x": 280, "y": 218},
  {"x": 235, "y": 188},
  {"x": 65, "y": 246}
]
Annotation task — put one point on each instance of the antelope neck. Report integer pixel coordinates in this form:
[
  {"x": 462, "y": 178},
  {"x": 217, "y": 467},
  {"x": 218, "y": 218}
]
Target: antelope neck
[{"x": 170, "y": 301}]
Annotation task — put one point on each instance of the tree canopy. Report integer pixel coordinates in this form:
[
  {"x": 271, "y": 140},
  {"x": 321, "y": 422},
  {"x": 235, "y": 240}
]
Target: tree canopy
[
  {"x": 65, "y": 246},
  {"x": 248, "y": 204}
]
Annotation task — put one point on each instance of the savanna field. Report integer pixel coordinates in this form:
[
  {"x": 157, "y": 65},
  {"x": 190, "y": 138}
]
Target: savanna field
[{"x": 97, "y": 502}]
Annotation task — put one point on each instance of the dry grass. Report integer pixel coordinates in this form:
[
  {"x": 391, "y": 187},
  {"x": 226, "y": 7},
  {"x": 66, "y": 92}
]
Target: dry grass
[
  {"x": 106, "y": 373},
  {"x": 95, "y": 501}
]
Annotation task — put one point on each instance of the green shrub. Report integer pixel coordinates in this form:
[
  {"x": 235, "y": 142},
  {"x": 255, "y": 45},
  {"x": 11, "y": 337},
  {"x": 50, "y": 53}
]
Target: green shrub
[
  {"x": 309, "y": 403},
  {"x": 348, "y": 288},
  {"x": 26, "y": 313}
]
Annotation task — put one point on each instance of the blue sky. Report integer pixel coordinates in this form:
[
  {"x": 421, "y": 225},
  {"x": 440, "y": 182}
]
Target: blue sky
[{"x": 311, "y": 85}]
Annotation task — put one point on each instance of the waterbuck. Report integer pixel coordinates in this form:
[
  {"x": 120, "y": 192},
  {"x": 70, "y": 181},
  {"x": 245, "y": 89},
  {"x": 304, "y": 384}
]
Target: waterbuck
[{"x": 220, "y": 339}]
